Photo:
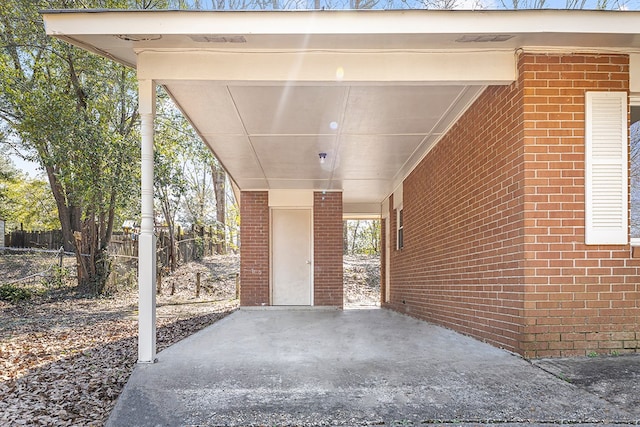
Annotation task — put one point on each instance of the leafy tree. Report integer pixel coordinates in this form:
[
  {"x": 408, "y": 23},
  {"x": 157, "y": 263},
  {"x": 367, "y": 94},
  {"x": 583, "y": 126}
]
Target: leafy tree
[
  {"x": 169, "y": 168},
  {"x": 219, "y": 177},
  {"x": 197, "y": 209},
  {"x": 189, "y": 180},
  {"x": 31, "y": 205},
  {"x": 76, "y": 114},
  {"x": 8, "y": 174},
  {"x": 361, "y": 237},
  {"x": 232, "y": 222}
]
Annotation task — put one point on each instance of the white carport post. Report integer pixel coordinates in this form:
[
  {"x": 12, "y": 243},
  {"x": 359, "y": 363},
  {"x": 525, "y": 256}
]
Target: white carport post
[{"x": 147, "y": 242}]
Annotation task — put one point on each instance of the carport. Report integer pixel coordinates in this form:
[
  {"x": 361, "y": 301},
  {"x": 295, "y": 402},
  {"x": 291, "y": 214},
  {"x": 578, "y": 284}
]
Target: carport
[{"x": 321, "y": 115}]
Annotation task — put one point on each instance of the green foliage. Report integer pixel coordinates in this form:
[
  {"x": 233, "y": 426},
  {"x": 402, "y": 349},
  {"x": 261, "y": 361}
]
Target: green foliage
[
  {"x": 29, "y": 202},
  {"x": 183, "y": 165},
  {"x": 361, "y": 237},
  {"x": 170, "y": 157},
  {"x": 59, "y": 277},
  {"x": 198, "y": 248},
  {"x": 8, "y": 175},
  {"x": 76, "y": 114},
  {"x": 13, "y": 293}
]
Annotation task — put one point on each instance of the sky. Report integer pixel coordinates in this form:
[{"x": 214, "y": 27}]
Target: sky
[
  {"x": 25, "y": 166},
  {"x": 29, "y": 168}
]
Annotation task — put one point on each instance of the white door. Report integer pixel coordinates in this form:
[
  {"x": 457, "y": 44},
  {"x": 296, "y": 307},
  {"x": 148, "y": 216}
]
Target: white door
[{"x": 291, "y": 256}]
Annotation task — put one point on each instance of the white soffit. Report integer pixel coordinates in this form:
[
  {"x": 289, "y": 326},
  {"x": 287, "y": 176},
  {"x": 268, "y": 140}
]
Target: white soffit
[
  {"x": 290, "y": 198},
  {"x": 361, "y": 211},
  {"x": 344, "y": 66},
  {"x": 374, "y": 90}
]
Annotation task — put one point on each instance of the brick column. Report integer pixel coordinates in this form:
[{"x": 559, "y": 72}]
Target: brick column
[
  {"x": 327, "y": 249},
  {"x": 254, "y": 251}
]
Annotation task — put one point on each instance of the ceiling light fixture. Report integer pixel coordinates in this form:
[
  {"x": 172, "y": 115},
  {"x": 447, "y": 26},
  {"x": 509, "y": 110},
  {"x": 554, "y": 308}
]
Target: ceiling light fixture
[{"x": 322, "y": 156}]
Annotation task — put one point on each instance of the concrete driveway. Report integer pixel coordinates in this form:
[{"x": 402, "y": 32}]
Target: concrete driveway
[{"x": 354, "y": 367}]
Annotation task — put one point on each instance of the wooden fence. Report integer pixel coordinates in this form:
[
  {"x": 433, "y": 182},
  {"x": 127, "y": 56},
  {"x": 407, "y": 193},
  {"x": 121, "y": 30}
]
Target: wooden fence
[
  {"x": 34, "y": 239},
  {"x": 190, "y": 245}
]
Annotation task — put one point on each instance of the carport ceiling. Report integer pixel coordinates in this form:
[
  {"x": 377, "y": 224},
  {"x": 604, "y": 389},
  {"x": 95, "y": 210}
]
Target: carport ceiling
[
  {"x": 272, "y": 137},
  {"x": 374, "y": 90}
]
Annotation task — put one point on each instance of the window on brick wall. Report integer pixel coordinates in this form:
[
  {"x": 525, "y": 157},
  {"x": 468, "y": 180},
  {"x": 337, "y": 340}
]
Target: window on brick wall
[
  {"x": 634, "y": 139},
  {"x": 400, "y": 223}
]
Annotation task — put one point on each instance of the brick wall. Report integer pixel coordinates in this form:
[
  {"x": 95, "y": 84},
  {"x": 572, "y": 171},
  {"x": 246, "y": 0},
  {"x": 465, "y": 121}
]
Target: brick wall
[
  {"x": 461, "y": 265},
  {"x": 254, "y": 239},
  {"x": 578, "y": 298},
  {"x": 327, "y": 249},
  {"x": 494, "y": 222}
]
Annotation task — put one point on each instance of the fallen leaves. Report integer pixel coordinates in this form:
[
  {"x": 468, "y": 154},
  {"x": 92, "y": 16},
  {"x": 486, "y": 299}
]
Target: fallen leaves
[{"x": 63, "y": 362}]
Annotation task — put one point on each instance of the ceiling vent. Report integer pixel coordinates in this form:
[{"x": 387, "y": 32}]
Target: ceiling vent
[
  {"x": 484, "y": 38},
  {"x": 201, "y": 38},
  {"x": 139, "y": 37}
]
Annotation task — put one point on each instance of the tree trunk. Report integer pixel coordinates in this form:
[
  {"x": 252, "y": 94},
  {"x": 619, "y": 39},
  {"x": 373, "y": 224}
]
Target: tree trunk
[
  {"x": 355, "y": 237},
  {"x": 345, "y": 237},
  {"x": 171, "y": 247},
  {"x": 219, "y": 176},
  {"x": 64, "y": 213},
  {"x": 84, "y": 237}
]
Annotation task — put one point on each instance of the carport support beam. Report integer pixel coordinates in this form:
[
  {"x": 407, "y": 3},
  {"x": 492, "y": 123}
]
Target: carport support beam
[{"x": 147, "y": 242}]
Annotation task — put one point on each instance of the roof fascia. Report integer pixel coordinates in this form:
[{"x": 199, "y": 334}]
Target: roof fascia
[{"x": 341, "y": 22}]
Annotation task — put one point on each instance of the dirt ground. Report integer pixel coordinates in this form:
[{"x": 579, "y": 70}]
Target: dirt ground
[
  {"x": 64, "y": 359},
  {"x": 361, "y": 280}
]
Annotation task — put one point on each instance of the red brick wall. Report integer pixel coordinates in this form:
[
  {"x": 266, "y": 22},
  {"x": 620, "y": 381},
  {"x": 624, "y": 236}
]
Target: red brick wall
[
  {"x": 494, "y": 222},
  {"x": 254, "y": 240},
  {"x": 578, "y": 298},
  {"x": 327, "y": 249},
  {"x": 461, "y": 265}
]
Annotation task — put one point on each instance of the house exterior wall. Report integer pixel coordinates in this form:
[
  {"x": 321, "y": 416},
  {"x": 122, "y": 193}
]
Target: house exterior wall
[
  {"x": 462, "y": 261},
  {"x": 578, "y": 298},
  {"x": 254, "y": 250},
  {"x": 327, "y": 249},
  {"x": 494, "y": 221}
]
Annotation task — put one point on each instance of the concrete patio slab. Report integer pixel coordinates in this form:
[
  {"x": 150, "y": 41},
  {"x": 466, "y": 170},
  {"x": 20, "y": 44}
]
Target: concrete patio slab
[
  {"x": 613, "y": 378},
  {"x": 352, "y": 367}
]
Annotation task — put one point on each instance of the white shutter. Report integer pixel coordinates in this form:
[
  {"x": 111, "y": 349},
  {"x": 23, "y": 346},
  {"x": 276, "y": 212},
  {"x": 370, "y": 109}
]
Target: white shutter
[{"x": 606, "y": 182}]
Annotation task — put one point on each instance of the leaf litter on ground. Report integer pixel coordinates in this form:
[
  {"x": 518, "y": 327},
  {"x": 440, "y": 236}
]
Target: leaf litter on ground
[{"x": 64, "y": 359}]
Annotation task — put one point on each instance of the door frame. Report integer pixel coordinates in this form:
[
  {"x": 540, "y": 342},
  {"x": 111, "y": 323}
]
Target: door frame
[{"x": 271, "y": 252}]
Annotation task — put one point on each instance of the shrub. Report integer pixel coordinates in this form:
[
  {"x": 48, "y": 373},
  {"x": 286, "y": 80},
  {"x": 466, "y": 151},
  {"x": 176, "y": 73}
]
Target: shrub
[
  {"x": 13, "y": 293},
  {"x": 198, "y": 248}
]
